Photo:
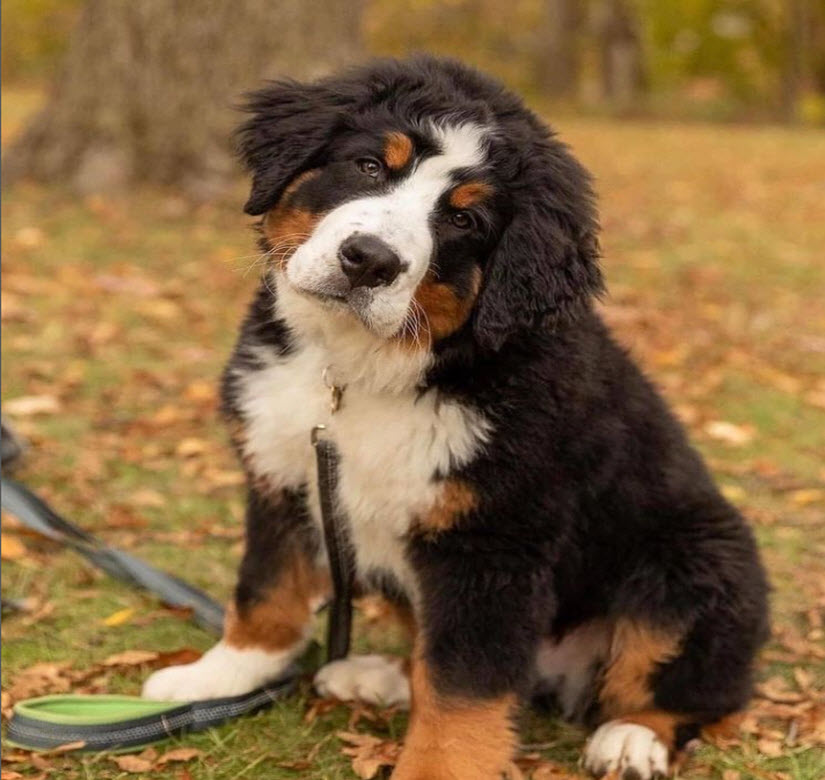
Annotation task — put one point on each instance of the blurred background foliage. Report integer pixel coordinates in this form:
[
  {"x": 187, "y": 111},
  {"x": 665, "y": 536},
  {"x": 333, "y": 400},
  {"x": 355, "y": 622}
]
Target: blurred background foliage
[{"x": 709, "y": 59}]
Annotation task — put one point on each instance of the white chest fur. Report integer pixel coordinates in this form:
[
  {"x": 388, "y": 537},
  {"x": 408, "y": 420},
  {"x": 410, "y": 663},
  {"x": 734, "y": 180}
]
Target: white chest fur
[{"x": 391, "y": 446}]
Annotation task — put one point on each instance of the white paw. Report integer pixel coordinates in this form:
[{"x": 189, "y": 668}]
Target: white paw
[
  {"x": 222, "y": 671},
  {"x": 374, "y": 679},
  {"x": 633, "y": 752}
]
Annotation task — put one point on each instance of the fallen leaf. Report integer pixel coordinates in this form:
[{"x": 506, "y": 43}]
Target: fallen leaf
[
  {"x": 11, "y": 548},
  {"x": 734, "y": 493},
  {"x": 29, "y": 238},
  {"x": 200, "y": 391},
  {"x": 369, "y": 753},
  {"x": 185, "y": 655},
  {"x": 190, "y": 447},
  {"x": 131, "y": 658},
  {"x": 777, "y": 690},
  {"x": 179, "y": 754},
  {"x": 806, "y": 497},
  {"x": 68, "y": 747},
  {"x": 11, "y": 757},
  {"x": 30, "y": 405},
  {"x": 132, "y": 764},
  {"x": 118, "y": 618},
  {"x": 731, "y": 774},
  {"x": 146, "y": 497},
  {"x": 728, "y": 433},
  {"x": 770, "y": 747}
]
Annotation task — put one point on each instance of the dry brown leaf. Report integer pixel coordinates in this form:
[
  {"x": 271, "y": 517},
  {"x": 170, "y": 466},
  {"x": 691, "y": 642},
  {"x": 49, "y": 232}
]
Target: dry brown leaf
[
  {"x": 146, "y": 497},
  {"x": 132, "y": 764},
  {"x": 6, "y": 703},
  {"x": 29, "y": 238},
  {"x": 68, "y": 747},
  {"x": 131, "y": 658},
  {"x": 190, "y": 447},
  {"x": 9, "y": 774},
  {"x": 808, "y": 496},
  {"x": 731, "y": 774},
  {"x": 776, "y": 689},
  {"x": 369, "y": 753},
  {"x": 30, "y": 405},
  {"x": 200, "y": 391},
  {"x": 770, "y": 747},
  {"x": 11, "y": 548},
  {"x": 178, "y": 754},
  {"x": 729, "y": 433},
  {"x": 186, "y": 655}
]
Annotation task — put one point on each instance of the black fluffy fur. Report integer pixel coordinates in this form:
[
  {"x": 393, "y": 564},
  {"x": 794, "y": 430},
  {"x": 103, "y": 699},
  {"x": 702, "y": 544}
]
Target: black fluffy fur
[{"x": 591, "y": 501}]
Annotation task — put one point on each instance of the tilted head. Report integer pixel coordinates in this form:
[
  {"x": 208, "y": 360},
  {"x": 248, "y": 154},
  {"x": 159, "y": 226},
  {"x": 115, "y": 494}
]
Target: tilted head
[{"x": 421, "y": 199}]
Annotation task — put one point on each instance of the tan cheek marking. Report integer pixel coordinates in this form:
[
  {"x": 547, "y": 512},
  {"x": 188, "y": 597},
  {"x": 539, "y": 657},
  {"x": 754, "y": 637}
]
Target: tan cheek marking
[
  {"x": 637, "y": 650},
  {"x": 456, "y": 500},
  {"x": 469, "y": 194},
  {"x": 278, "y": 622},
  {"x": 286, "y": 227},
  {"x": 398, "y": 150},
  {"x": 454, "y": 739},
  {"x": 443, "y": 310}
]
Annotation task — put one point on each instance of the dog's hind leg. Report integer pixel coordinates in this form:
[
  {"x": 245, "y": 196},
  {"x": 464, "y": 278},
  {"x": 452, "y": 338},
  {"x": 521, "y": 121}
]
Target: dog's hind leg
[
  {"x": 269, "y": 621},
  {"x": 660, "y": 688}
]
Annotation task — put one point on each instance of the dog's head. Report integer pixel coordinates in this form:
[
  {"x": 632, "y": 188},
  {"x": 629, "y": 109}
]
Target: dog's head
[{"x": 420, "y": 197}]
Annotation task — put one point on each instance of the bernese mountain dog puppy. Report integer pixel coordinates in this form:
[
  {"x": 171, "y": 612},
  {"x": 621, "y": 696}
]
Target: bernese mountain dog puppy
[{"x": 510, "y": 478}]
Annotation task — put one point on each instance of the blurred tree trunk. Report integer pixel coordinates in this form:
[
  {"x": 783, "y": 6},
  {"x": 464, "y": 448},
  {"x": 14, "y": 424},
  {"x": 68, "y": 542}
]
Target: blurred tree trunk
[
  {"x": 558, "y": 52},
  {"x": 793, "y": 67},
  {"x": 620, "y": 53},
  {"x": 147, "y": 88}
]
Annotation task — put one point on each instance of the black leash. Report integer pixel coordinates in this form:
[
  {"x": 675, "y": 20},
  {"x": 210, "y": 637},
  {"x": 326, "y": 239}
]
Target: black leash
[{"x": 336, "y": 535}]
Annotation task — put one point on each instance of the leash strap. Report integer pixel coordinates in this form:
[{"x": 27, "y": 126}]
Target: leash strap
[
  {"x": 37, "y": 515},
  {"x": 339, "y": 549}
]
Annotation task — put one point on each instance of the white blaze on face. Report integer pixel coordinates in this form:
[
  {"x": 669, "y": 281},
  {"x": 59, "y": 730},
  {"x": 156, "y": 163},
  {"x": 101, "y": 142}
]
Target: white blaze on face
[{"x": 401, "y": 218}]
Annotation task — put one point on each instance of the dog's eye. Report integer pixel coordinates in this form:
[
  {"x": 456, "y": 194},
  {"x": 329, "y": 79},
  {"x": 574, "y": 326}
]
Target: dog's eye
[
  {"x": 370, "y": 166},
  {"x": 463, "y": 220}
]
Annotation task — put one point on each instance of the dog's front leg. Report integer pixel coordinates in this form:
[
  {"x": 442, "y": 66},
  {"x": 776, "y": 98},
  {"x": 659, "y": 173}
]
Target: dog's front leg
[{"x": 480, "y": 619}]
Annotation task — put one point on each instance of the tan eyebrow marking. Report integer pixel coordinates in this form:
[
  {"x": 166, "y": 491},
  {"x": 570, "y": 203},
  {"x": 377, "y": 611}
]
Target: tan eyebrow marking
[
  {"x": 398, "y": 150},
  {"x": 470, "y": 193}
]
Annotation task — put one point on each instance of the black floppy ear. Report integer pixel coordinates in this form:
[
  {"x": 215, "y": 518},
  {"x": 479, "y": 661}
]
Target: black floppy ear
[
  {"x": 545, "y": 268},
  {"x": 291, "y": 124}
]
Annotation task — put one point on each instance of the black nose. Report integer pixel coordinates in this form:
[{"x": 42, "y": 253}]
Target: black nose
[{"x": 368, "y": 261}]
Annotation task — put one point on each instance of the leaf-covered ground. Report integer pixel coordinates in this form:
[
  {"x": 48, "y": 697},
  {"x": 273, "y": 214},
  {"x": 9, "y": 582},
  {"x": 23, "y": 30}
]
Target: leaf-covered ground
[{"x": 118, "y": 313}]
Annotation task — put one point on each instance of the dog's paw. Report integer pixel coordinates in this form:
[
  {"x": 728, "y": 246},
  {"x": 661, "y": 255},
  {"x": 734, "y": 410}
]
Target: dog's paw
[
  {"x": 628, "y": 750},
  {"x": 222, "y": 671},
  {"x": 374, "y": 679}
]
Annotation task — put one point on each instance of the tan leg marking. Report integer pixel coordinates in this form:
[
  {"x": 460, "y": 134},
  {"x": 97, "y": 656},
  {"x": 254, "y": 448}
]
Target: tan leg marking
[
  {"x": 455, "y": 500},
  {"x": 469, "y": 194},
  {"x": 454, "y": 739},
  {"x": 636, "y": 651},
  {"x": 398, "y": 150},
  {"x": 280, "y": 620}
]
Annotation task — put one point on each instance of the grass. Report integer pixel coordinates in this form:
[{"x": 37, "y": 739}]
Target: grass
[{"x": 124, "y": 309}]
